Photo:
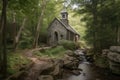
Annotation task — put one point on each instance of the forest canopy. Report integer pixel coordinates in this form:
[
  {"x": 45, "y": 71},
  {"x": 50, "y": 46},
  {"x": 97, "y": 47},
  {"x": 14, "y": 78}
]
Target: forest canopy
[{"x": 24, "y": 23}]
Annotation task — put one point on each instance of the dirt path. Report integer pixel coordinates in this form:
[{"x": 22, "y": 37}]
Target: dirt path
[
  {"x": 45, "y": 68},
  {"x": 39, "y": 64},
  {"x": 36, "y": 69}
]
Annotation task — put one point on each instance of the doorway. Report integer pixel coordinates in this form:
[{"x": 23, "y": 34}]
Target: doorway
[{"x": 55, "y": 37}]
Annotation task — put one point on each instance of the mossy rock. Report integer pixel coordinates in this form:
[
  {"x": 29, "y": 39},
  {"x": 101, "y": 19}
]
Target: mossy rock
[
  {"x": 101, "y": 61},
  {"x": 115, "y": 67}
]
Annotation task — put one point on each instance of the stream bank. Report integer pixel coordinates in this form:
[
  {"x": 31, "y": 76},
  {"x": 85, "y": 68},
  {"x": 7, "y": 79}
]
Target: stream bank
[
  {"x": 49, "y": 68},
  {"x": 92, "y": 72}
]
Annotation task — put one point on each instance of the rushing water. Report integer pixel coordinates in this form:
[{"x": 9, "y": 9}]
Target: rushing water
[{"x": 91, "y": 72}]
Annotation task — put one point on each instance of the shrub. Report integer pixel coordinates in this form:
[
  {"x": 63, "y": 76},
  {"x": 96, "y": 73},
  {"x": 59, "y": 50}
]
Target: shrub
[
  {"x": 101, "y": 61},
  {"x": 57, "y": 51},
  {"x": 15, "y": 62},
  {"x": 67, "y": 44},
  {"x": 38, "y": 53}
]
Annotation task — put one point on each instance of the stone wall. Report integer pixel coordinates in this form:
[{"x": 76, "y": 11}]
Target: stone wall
[
  {"x": 114, "y": 59},
  {"x": 59, "y": 29}
]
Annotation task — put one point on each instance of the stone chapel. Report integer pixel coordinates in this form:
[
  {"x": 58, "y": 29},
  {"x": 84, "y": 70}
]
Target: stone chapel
[{"x": 59, "y": 29}]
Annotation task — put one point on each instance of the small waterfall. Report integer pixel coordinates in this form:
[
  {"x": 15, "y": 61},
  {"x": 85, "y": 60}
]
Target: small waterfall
[{"x": 82, "y": 56}]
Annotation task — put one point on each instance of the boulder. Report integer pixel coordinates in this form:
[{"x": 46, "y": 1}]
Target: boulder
[
  {"x": 115, "y": 67},
  {"x": 115, "y": 48},
  {"x": 78, "y": 52},
  {"x": 76, "y": 72},
  {"x": 69, "y": 53},
  {"x": 45, "y": 77},
  {"x": 114, "y": 59},
  {"x": 114, "y": 56},
  {"x": 58, "y": 64},
  {"x": 71, "y": 64},
  {"x": 105, "y": 52}
]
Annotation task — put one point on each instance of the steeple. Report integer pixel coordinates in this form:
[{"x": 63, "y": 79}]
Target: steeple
[{"x": 64, "y": 16}]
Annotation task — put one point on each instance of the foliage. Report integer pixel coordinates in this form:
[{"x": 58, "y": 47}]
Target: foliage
[
  {"x": 102, "y": 29},
  {"x": 25, "y": 42},
  {"x": 15, "y": 62},
  {"x": 77, "y": 24},
  {"x": 53, "y": 52},
  {"x": 83, "y": 45},
  {"x": 67, "y": 44},
  {"x": 17, "y": 10},
  {"x": 101, "y": 61}
]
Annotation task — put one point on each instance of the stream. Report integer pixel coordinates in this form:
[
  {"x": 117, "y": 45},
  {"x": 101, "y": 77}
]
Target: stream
[{"x": 91, "y": 72}]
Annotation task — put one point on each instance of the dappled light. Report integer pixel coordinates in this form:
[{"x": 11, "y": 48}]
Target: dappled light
[{"x": 59, "y": 40}]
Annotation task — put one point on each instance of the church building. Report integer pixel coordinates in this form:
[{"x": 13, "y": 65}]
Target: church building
[{"x": 59, "y": 29}]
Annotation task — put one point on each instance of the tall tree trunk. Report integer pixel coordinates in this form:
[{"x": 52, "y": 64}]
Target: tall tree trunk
[
  {"x": 119, "y": 35},
  {"x": 35, "y": 43},
  {"x": 3, "y": 39},
  {"x": 14, "y": 29},
  {"x": 94, "y": 12},
  {"x": 19, "y": 33}
]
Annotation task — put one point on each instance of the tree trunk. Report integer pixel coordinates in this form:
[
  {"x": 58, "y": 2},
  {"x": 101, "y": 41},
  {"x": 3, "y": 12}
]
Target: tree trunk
[
  {"x": 35, "y": 43},
  {"x": 19, "y": 33},
  {"x": 118, "y": 36},
  {"x": 3, "y": 39},
  {"x": 14, "y": 29},
  {"x": 94, "y": 12}
]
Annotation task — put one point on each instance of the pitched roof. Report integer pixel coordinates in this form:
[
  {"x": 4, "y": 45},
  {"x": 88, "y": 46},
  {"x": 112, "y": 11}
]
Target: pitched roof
[{"x": 68, "y": 27}]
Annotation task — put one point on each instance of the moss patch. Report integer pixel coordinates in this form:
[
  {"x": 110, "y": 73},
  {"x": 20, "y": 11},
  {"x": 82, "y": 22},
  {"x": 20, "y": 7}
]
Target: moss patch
[
  {"x": 56, "y": 52},
  {"x": 101, "y": 61},
  {"x": 68, "y": 44},
  {"x": 15, "y": 62}
]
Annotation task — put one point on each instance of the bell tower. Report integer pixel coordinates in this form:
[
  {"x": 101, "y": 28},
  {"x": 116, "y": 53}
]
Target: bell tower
[{"x": 64, "y": 16}]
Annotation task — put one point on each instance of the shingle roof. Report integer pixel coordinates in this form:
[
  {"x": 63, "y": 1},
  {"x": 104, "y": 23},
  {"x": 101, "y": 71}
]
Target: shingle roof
[{"x": 68, "y": 27}]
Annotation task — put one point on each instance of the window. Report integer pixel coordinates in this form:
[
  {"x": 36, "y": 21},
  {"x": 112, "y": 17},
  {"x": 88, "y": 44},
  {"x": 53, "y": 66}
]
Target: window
[
  {"x": 61, "y": 36},
  {"x": 63, "y": 16}
]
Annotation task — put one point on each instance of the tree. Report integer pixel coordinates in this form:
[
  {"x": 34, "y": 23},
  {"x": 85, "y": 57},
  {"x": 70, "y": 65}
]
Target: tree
[
  {"x": 102, "y": 29},
  {"x": 3, "y": 39},
  {"x": 20, "y": 10},
  {"x": 43, "y": 7}
]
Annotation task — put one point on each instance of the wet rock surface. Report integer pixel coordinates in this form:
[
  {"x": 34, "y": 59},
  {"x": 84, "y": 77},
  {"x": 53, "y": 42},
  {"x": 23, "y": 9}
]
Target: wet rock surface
[
  {"x": 50, "y": 69},
  {"x": 91, "y": 72},
  {"x": 115, "y": 48},
  {"x": 45, "y": 77},
  {"x": 114, "y": 59}
]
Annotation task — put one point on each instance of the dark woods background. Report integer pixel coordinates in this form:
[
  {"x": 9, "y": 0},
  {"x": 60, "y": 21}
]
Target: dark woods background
[{"x": 27, "y": 21}]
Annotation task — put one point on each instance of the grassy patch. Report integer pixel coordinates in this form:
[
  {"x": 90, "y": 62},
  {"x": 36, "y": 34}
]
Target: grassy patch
[
  {"x": 101, "y": 61},
  {"x": 55, "y": 52},
  {"x": 15, "y": 62},
  {"x": 68, "y": 44}
]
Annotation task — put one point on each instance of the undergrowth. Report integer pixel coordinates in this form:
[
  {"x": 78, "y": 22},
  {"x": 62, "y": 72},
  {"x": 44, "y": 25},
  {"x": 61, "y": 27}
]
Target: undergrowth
[
  {"x": 55, "y": 52},
  {"x": 15, "y": 62},
  {"x": 70, "y": 45}
]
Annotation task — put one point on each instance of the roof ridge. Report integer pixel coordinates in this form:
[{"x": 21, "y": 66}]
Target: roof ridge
[{"x": 68, "y": 27}]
